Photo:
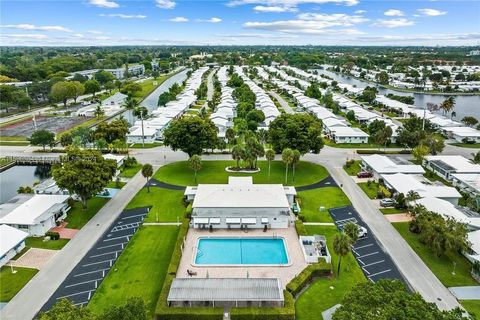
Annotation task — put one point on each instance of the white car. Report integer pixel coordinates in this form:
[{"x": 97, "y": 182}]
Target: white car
[{"x": 362, "y": 232}]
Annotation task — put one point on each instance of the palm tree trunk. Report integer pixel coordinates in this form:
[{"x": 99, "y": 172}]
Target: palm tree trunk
[
  {"x": 195, "y": 176},
  {"x": 269, "y": 165},
  {"x": 339, "y": 263},
  {"x": 286, "y": 173},
  {"x": 293, "y": 172},
  {"x": 148, "y": 185}
]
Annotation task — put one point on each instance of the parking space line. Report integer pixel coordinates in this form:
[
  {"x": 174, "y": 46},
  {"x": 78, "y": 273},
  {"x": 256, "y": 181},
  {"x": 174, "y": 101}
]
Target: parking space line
[
  {"x": 368, "y": 254},
  {"x": 135, "y": 216},
  {"x": 371, "y": 264},
  {"x": 361, "y": 247},
  {"x": 90, "y": 272},
  {"x": 94, "y": 263},
  {"x": 74, "y": 294},
  {"x": 111, "y": 245},
  {"x": 80, "y": 303},
  {"x": 80, "y": 283},
  {"x": 376, "y": 274},
  {"x": 121, "y": 237},
  {"x": 104, "y": 254}
]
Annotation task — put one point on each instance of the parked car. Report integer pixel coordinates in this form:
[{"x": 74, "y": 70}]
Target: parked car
[
  {"x": 387, "y": 202},
  {"x": 362, "y": 232},
  {"x": 364, "y": 174}
]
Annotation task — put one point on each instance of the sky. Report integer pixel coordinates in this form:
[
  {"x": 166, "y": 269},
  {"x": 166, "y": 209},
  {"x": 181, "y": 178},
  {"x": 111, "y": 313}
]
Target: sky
[{"x": 239, "y": 22}]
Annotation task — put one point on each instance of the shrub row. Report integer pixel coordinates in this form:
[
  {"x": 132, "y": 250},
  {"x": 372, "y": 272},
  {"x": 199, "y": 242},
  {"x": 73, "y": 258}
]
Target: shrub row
[
  {"x": 53, "y": 235},
  {"x": 188, "y": 211},
  {"x": 372, "y": 151},
  {"x": 287, "y": 312},
  {"x": 320, "y": 269},
  {"x": 300, "y": 227}
]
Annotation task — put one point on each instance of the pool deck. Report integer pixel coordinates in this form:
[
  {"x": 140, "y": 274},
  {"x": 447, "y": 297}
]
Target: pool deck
[{"x": 284, "y": 273}]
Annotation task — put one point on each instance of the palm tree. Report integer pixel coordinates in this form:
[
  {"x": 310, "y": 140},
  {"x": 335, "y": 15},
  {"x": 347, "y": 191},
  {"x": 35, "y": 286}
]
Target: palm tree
[
  {"x": 237, "y": 152},
  {"x": 448, "y": 105},
  {"x": 351, "y": 230},
  {"x": 195, "y": 163},
  {"x": 131, "y": 103},
  {"x": 341, "y": 246},
  {"x": 295, "y": 160},
  {"x": 99, "y": 111},
  {"x": 147, "y": 172},
  {"x": 142, "y": 113},
  {"x": 287, "y": 158},
  {"x": 270, "y": 155},
  {"x": 230, "y": 135}
]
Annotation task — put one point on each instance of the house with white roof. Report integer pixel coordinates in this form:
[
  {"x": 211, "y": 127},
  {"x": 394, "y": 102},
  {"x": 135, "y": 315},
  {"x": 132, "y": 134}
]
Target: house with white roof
[
  {"x": 135, "y": 135},
  {"x": 460, "y": 134},
  {"x": 474, "y": 253},
  {"x": 467, "y": 182},
  {"x": 445, "y": 166},
  {"x": 240, "y": 204},
  {"x": 404, "y": 183},
  {"x": 12, "y": 241},
  {"x": 341, "y": 134},
  {"x": 35, "y": 214},
  {"x": 380, "y": 165},
  {"x": 117, "y": 99}
]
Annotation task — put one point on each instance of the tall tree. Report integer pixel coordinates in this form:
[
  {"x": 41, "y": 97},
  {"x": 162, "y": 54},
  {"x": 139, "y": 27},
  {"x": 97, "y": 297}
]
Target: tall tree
[
  {"x": 76, "y": 88},
  {"x": 83, "y": 172},
  {"x": 287, "y": 158},
  {"x": 420, "y": 152},
  {"x": 295, "y": 161},
  {"x": 92, "y": 86},
  {"x": 341, "y": 246},
  {"x": 61, "y": 91},
  {"x": 147, "y": 172},
  {"x": 351, "y": 230},
  {"x": 195, "y": 163},
  {"x": 142, "y": 113},
  {"x": 42, "y": 138},
  {"x": 237, "y": 152},
  {"x": 270, "y": 155},
  {"x": 469, "y": 121}
]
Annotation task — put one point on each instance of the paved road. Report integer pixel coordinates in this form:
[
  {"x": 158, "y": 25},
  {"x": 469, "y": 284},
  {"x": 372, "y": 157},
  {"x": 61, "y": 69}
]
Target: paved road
[
  {"x": 282, "y": 102},
  {"x": 210, "y": 88},
  {"x": 466, "y": 293},
  {"x": 413, "y": 269},
  {"x": 36, "y": 293}
]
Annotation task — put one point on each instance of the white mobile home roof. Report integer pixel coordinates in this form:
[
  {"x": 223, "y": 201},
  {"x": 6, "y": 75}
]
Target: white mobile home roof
[
  {"x": 403, "y": 183},
  {"x": 30, "y": 211},
  {"x": 10, "y": 237},
  {"x": 384, "y": 165},
  {"x": 447, "y": 209},
  {"x": 458, "y": 163},
  {"x": 470, "y": 179},
  {"x": 474, "y": 238}
]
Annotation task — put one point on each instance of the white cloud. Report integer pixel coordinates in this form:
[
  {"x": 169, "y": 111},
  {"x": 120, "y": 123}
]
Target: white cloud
[
  {"x": 94, "y": 32},
  {"x": 394, "y": 23},
  {"x": 394, "y": 13},
  {"x": 360, "y": 11},
  {"x": 289, "y": 3},
  {"x": 178, "y": 19},
  {"x": 165, "y": 4},
  {"x": 104, "y": 3},
  {"x": 258, "y": 35},
  {"x": 26, "y": 36},
  {"x": 274, "y": 9},
  {"x": 431, "y": 12},
  {"x": 26, "y": 26},
  {"x": 123, "y": 16},
  {"x": 214, "y": 20}
]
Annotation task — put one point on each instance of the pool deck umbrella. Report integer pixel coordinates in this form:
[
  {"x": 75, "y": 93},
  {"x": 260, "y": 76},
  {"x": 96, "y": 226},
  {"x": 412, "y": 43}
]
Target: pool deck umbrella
[{"x": 226, "y": 290}]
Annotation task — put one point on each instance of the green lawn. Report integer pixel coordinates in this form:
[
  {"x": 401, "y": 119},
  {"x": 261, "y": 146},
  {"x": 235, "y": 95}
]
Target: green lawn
[
  {"x": 371, "y": 190},
  {"x": 442, "y": 266},
  {"x": 77, "y": 217},
  {"x": 392, "y": 211},
  {"x": 472, "y": 306},
  {"x": 130, "y": 172},
  {"x": 11, "y": 283},
  {"x": 467, "y": 145},
  {"x": 113, "y": 184},
  {"x": 325, "y": 293},
  {"x": 140, "y": 270},
  {"x": 37, "y": 242},
  {"x": 179, "y": 173},
  {"x": 14, "y": 143},
  {"x": 353, "y": 168},
  {"x": 166, "y": 203},
  {"x": 312, "y": 200},
  {"x": 147, "y": 145}
]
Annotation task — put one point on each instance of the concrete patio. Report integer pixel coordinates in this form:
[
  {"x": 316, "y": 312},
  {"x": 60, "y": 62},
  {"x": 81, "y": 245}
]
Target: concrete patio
[{"x": 34, "y": 258}]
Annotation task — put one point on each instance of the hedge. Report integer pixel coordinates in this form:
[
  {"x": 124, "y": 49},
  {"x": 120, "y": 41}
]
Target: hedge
[
  {"x": 53, "y": 235},
  {"x": 188, "y": 211},
  {"x": 371, "y": 151},
  {"x": 300, "y": 227},
  {"x": 287, "y": 312},
  {"x": 320, "y": 269}
]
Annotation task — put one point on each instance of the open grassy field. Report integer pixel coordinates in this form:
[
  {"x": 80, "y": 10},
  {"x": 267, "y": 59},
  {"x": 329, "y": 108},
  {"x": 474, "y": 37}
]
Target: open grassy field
[
  {"x": 442, "y": 266},
  {"x": 166, "y": 204},
  {"x": 179, "y": 173},
  {"x": 77, "y": 217},
  {"x": 37, "y": 242},
  {"x": 325, "y": 293},
  {"x": 11, "y": 283},
  {"x": 472, "y": 306},
  {"x": 312, "y": 200},
  {"x": 147, "y": 145},
  {"x": 353, "y": 169},
  {"x": 140, "y": 270},
  {"x": 130, "y": 172}
]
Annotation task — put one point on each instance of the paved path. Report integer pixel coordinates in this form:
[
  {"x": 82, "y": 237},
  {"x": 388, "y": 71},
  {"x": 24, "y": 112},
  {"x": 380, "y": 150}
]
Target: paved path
[
  {"x": 466, "y": 293},
  {"x": 36, "y": 293},
  {"x": 156, "y": 183},
  {"x": 35, "y": 258},
  {"x": 327, "y": 182},
  {"x": 282, "y": 102},
  {"x": 210, "y": 88},
  {"x": 414, "y": 270}
]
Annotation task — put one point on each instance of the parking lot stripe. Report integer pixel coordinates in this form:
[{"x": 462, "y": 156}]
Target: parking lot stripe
[
  {"x": 371, "y": 264},
  {"x": 121, "y": 237},
  {"x": 361, "y": 247},
  {"x": 80, "y": 283},
  {"x": 90, "y": 272},
  {"x": 368, "y": 254},
  {"x": 94, "y": 263},
  {"x": 74, "y": 294},
  {"x": 135, "y": 216},
  {"x": 104, "y": 254},
  {"x": 376, "y": 274},
  {"x": 80, "y": 303},
  {"x": 111, "y": 245}
]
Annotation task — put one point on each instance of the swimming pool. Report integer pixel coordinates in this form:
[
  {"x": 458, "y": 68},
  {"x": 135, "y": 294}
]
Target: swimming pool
[{"x": 241, "y": 251}]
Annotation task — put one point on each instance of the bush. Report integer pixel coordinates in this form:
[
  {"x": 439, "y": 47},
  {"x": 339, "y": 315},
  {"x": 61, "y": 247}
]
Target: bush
[
  {"x": 129, "y": 162},
  {"x": 53, "y": 235},
  {"x": 320, "y": 269},
  {"x": 301, "y": 231},
  {"x": 188, "y": 211}
]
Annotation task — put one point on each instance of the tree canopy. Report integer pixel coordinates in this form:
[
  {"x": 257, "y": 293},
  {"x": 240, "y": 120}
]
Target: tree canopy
[{"x": 42, "y": 138}]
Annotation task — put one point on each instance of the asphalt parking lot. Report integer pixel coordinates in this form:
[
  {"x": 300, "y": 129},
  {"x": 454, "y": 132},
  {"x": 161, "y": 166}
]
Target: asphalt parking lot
[
  {"x": 81, "y": 283},
  {"x": 375, "y": 263}
]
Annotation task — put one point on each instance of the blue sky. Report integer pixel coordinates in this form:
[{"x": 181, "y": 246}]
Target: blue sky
[{"x": 232, "y": 22}]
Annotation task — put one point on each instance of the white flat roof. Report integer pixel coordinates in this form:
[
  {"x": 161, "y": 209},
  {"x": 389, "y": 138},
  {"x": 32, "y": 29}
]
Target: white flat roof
[
  {"x": 474, "y": 238},
  {"x": 470, "y": 179},
  {"x": 447, "y": 209},
  {"x": 458, "y": 163},
  {"x": 10, "y": 237},
  {"x": 31, "y": 210},
  {"x": 404, "y": 183},
  {"x": 384, "y": 165}
]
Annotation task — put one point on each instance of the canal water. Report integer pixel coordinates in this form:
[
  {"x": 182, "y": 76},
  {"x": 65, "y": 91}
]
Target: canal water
[
  {"x": 465, "y": 105},
  {"x": 18, "y": 176}
]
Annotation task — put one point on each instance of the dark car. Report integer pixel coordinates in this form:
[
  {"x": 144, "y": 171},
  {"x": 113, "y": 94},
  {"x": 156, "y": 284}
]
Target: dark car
[{"x": 364, "y": 174}]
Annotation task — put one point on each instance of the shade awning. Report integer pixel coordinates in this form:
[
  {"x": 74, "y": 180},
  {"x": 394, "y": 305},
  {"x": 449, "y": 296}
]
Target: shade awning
[
  {"x": 232, "y": 220},
  {"x": 249, "y": 220},
  {"x": 264, "y": 220},
  {"x": 214, "y": 220},
  {"x": 200, "y": 220}
]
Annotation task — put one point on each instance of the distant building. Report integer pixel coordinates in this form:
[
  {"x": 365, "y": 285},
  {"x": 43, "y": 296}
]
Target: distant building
[
  {"x": 474, "y": 53},
  {"x": 12, "y": 241},
  {"x": 240, "y": 204}
]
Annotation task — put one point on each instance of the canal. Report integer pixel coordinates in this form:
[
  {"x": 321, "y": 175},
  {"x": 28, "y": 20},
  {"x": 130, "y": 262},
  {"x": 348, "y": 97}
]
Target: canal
[{"x": 18, "y": 176}]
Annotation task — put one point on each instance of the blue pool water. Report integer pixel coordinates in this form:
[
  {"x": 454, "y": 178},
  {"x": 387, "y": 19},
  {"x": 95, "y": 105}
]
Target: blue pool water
[{"x": 241, "y": 251}]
